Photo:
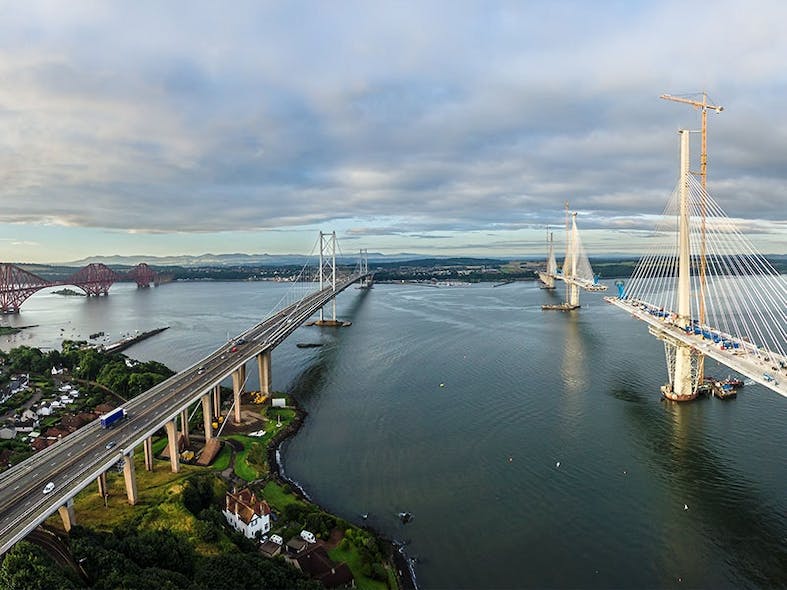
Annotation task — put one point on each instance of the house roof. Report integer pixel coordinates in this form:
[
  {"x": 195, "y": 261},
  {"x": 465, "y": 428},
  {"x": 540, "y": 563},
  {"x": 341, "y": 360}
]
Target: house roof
[
  {"x": 246, "y": 505},
  {"x": 270, "y": 548},
  {"x": 318, "y": 565}
]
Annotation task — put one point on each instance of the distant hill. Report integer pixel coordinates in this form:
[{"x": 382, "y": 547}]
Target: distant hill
[{"x": 240, "y": 259}]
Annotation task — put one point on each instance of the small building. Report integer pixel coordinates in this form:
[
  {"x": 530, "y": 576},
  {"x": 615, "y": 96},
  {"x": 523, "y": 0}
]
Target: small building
[
  {"x": 245, "y": 513},
  {"x": 270, "y": 548},
  {"x": 317, "y": 565},
  {"x": 28, "y": 415},
  {"x": 297, "y": 545},
  {"x": 7, "y": 432}
]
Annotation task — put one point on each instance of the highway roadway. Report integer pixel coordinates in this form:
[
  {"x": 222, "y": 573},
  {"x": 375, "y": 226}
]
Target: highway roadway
[
  {"x": 763, "y": 367},
  {"x": 76, "y": 461}
]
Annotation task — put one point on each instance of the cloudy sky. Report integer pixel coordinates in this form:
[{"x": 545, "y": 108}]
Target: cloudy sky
[{"x": 164, "y": 128}]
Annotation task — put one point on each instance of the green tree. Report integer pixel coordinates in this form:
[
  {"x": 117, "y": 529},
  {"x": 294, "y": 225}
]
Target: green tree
[{"x": 27, "y": 567}]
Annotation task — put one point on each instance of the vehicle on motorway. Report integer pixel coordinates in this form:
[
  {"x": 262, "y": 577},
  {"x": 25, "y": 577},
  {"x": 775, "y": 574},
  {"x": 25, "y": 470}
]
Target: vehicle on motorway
[
  {"x": 110, "y": 418},
  {"x": 111, "y": 444},
  {"x": 200, "y": 371},
  {"x": 234, "y": 349},
  {"x": 240, "y": 341},
  {"x": 49, "y": 487}
]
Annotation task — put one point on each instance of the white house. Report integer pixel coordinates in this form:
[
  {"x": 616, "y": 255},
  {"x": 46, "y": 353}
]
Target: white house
[
  {"x": 44, "y": 411},
  {"x": 246, "y": 514},
  {"x": 7, "y": 432}
]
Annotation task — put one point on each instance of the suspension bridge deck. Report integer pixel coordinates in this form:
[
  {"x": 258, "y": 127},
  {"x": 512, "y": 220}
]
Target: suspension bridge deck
[{"x": 759, "y": 365}]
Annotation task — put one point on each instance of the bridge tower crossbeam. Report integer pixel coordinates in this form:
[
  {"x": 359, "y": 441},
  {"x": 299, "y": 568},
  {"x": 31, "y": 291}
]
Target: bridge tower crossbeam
[{"x": 328, "y": 267}]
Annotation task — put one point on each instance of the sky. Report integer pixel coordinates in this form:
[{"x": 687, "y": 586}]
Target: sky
[{"x": 167, "y": 128}]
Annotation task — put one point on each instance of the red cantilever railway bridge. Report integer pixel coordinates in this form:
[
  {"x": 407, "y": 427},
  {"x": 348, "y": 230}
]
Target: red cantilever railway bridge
[{"x": 16, "y": 284}]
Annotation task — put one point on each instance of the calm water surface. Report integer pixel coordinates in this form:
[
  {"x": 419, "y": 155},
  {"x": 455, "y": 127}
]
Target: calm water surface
[{"x": 531, "y": 447}]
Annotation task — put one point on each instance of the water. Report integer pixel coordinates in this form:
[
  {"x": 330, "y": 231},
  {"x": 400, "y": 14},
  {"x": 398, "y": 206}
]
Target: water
[{"x": 475, "y": 460}]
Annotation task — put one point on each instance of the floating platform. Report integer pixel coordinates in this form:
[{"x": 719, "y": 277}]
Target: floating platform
[
  {"x": 330, "y": 324},
  {"x": 559, "y": 306}
]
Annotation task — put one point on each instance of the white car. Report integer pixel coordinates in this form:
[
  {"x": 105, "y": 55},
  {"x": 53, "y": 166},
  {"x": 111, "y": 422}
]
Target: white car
[{"x": 49, "y": 487}]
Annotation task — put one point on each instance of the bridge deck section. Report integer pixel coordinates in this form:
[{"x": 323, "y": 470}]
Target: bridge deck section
[{"x": 759, "y": 365}]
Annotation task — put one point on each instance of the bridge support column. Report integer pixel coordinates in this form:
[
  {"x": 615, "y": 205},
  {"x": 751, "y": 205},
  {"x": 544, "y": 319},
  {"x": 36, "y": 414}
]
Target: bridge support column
[
  {"x": 130, "y": 476},
  {"x": 172, "y": 444},
  {"x": 184, "y": 426},
  {"x": 68, "y": 515},
  {"x": 264, "y": 368},
  {"x": 102, "y": 485},
  {"x": 207, "y": 417},
  {"x": 238, "y": 380},
  {"x": 217, "y": 401},
  {"x": 147, "y": 445},
  {"x": 679, "y": 356}
]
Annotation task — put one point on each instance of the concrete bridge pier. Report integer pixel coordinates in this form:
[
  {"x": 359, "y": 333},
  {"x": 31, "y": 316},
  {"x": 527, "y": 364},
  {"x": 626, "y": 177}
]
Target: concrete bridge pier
[
  {"x": 148, "y": 446},
  {"x": 264, "y": 368},
  {"x": 184, "y": 425},
  {"x": 68, "y": 515},
  {"x": 102, "y": 485},
  {"x": 217, "y": 400},
  {"x": 238, "y": 381},
  {"x": 207, "y": 417},
  {"x": 129, "y": 475},
  {"x": 172, "y": 445}
]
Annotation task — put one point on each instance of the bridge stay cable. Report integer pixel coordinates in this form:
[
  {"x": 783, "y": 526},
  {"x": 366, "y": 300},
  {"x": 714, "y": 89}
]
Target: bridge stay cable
[{"x": 733, "y": 307}]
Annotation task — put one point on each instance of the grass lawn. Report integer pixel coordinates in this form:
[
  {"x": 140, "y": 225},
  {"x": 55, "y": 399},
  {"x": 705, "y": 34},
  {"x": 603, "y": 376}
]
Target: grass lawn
[
  {"x": 221, "y": 462},
  {"x": 242, "y": 467},
  {"x": 275, "y": 495},
  {"x": 353, "y": 560},
  {"x": 158, "y": 506}
]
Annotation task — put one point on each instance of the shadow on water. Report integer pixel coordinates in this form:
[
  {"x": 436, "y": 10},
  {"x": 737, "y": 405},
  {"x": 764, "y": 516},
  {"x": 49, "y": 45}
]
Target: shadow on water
[
  {"x": 743, "y": 527},
  {"x": 312, "y": 378}
]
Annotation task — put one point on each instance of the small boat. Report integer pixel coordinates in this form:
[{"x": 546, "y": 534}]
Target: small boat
[
  {"x": 308, "y": 344},
  {"x": 405, "y": 517}
]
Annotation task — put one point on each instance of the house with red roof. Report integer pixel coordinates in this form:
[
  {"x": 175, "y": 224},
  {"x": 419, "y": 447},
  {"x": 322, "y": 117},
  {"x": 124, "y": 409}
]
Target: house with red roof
[{"x": 247, "y": 514}]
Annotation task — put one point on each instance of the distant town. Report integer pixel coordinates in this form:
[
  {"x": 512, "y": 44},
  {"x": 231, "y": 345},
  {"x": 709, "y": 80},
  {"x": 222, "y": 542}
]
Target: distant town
[{"x": 464, "y": 269}]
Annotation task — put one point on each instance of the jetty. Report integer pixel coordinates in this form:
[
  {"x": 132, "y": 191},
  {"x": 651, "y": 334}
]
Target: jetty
[{"x": 124, "y": 343}]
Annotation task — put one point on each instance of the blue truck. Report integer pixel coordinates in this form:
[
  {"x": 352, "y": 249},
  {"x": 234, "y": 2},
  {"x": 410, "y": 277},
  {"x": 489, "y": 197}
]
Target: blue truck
[{"x": 110, "y": 418}]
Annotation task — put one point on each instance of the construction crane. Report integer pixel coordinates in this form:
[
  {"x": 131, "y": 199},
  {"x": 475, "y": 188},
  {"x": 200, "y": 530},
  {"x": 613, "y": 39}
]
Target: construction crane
[{"x": 704, "y": 105}]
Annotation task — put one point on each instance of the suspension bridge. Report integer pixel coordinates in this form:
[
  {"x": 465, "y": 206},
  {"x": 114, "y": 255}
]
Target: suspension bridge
[
  {"x": 74, "y": 462},
  {"x": 708, "y": 293},
  {"x": 576, "y": 273},
  {"x": 17, "y": 284}
]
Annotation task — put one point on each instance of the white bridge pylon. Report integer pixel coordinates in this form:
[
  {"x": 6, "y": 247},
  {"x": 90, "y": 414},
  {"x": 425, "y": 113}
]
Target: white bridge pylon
[
  {"x": 577, "y": 273},
  {"x": 708, "y": 293}
]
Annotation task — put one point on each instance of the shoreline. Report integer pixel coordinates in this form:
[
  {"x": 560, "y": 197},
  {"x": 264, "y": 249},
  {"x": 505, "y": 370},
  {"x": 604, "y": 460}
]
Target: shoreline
[{"x": 403, "y": 565}]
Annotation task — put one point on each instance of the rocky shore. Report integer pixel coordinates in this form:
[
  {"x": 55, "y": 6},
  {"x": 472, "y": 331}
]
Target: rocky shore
[{"x": 405, "y": 575}]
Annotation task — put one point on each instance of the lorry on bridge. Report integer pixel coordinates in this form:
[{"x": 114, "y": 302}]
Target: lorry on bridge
[{"x": 110, "y": 418}]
